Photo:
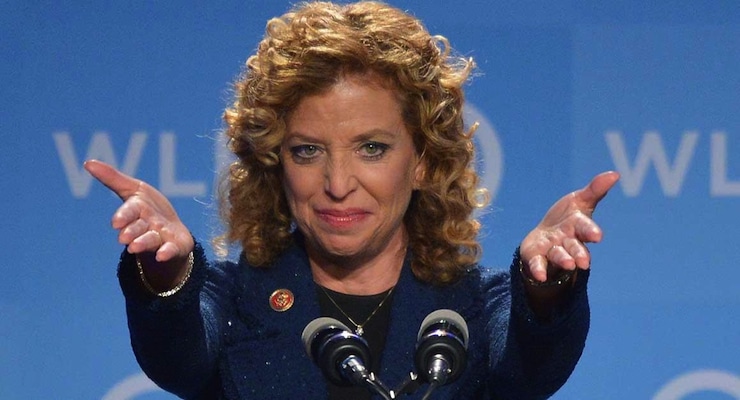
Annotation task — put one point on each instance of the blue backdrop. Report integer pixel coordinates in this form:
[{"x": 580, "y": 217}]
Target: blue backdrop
[{"x": 565, "y": 90}]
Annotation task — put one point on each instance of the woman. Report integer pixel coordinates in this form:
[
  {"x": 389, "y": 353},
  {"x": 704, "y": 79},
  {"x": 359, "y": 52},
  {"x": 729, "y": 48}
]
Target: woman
[{"x": 352, "y": 198}]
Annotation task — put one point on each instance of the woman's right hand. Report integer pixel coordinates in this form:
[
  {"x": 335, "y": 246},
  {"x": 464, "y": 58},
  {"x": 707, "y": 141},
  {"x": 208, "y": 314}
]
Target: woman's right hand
[{"x": 147, "y": 223}]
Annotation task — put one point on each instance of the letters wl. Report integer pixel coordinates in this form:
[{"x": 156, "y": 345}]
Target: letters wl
[
  {"x": 671, "y": 175},
  {"x": 100, "y": 148}
]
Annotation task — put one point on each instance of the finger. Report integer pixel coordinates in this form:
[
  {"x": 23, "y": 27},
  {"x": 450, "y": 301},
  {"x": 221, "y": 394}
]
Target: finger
[
  {"x": 178, "y": 244},
  {"x": 594, "y": 192},
  {"x": 126, "y": 214},
  {"x": 167, "y": 251},
  {"x": 559, "y": 257},
  {"x": 579, "y": 252},
  {"x": 586, "y": 230},
  {"x": 150, "y": 241},
  {"x": 132, "y": 231},
  {"x": 121, "y": 184},
  {"x": 538, "y": 268}
]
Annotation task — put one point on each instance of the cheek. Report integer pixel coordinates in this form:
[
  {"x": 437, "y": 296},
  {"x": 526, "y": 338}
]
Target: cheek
[
  {"x": 295, "y": 187},
  {"x": 394, "y": 187},
  {"x": 300, "y": 186}
]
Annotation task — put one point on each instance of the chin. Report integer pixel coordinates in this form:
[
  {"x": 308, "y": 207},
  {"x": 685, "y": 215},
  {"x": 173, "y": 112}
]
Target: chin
[
  {"x": 343, "y": 249},
  {"x": 340, "y": 248}
]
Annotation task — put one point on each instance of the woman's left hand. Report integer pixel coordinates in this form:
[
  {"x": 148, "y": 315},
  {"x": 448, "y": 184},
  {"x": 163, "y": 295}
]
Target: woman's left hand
[{"x": 558, "y": 241}]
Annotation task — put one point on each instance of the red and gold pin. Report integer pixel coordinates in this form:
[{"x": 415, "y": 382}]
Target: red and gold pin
[{"x": 281, "y": 300}]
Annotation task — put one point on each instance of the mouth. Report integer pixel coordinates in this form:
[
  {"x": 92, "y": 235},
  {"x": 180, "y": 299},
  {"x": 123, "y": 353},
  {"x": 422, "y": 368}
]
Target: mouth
[{"x": 342, "y": 218}]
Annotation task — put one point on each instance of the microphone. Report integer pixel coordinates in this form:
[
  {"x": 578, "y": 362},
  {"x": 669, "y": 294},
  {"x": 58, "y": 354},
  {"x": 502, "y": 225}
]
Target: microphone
[
  {"x": 341, "y": 355},
  {"x": 441, "y": 348}
]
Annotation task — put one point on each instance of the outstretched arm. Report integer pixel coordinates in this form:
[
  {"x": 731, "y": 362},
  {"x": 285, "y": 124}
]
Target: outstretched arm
[
  {"x": 174, "y": 333},
  {"x": 537, "y": 342}
]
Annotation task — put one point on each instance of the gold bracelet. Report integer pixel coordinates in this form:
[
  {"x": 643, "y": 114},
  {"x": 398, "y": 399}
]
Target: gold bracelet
[
  {"x": 168, "y": 293},
  {"x": 563, "y": 278}
]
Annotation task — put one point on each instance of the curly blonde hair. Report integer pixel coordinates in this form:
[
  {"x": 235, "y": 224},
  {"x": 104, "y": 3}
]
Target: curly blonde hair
[{"x": 305, "y": 52}]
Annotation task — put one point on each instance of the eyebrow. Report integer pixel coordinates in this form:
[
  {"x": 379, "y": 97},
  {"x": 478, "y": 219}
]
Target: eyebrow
[{"x": 372, "y": 134}]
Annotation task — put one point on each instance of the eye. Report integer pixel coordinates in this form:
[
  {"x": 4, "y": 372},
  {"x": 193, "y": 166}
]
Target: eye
[
  {"x": 373, "y": 150},
  {"x": 304, "y": 152}
]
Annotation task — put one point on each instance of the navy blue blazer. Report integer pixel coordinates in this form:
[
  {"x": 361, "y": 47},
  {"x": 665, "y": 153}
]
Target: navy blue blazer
[{"x": 218, "y": 338}]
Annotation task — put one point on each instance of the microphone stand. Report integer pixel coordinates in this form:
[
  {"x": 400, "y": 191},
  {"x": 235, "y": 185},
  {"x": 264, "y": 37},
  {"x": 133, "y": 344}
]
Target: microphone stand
[
  {"x": 354, "y": 370},
  {"x": 410, "y": 385},
  {"x": 432, "y": 385},
  {"x": 378, "y": 387}
]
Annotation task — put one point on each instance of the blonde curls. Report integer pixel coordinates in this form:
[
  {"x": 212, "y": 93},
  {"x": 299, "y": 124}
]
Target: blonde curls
[{"x": 304, "y": 52}]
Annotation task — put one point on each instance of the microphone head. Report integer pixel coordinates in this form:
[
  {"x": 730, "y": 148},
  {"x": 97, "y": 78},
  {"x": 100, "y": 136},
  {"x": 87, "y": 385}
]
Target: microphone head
[
  {"x": 317, "y": 326},
  {"x": 445, "y": 317},
  {"x": 329, "y": 343},
  {"x": 441, "y": 347}
]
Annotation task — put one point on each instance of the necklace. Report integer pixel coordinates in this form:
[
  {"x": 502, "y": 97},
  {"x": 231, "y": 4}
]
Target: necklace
[{"x": 358, "y": 327}]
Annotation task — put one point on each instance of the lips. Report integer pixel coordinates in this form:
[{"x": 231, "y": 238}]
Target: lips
[{"x": 342, "y": 218}]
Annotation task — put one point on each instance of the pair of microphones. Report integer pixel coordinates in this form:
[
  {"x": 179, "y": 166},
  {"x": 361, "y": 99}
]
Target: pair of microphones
[{"x": 344, "y": 357}]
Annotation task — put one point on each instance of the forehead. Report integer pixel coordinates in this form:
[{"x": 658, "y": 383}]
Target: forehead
[{"x": 354, "y": 101}]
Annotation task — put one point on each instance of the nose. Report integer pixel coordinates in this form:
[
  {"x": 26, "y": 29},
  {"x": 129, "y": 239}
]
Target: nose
[{"x": 339, "y": 178}]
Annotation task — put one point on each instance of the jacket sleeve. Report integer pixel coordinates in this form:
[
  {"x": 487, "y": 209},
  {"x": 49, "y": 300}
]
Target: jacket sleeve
[
  {"x": 176, "y": 339},
  {"x": 530, "y": 359}
]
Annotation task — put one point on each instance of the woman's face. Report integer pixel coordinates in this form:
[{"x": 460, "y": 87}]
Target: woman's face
[{"x": 350, "y": 167}]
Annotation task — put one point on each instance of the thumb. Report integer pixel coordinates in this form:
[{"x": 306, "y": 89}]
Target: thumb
[{"x": 590, "y": 196}]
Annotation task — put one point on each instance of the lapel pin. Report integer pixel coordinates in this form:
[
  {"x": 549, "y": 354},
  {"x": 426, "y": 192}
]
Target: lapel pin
[{"x": 281, "y": 300}]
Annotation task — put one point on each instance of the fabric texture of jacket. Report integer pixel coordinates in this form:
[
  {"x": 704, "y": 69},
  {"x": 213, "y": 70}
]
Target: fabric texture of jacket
[{"x": 218, "y": 337}]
